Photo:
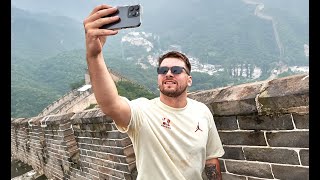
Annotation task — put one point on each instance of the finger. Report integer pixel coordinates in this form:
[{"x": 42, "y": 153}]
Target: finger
[
  {"x": 97, "y": 16},
  {"x": 101, "y": 21},
  {"x": 100, "y": 7},
  {"x": 101, "y": 32},
  {"x": 101, "y": 13}
]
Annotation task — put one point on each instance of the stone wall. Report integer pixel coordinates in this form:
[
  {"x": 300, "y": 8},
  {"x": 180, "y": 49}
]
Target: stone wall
[{"x": 264, "y": 128}]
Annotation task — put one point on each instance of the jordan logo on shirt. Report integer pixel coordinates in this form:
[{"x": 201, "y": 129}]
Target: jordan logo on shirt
[
  {"x": 198, "y": 128},
  {"x": 166, "y": 123}
]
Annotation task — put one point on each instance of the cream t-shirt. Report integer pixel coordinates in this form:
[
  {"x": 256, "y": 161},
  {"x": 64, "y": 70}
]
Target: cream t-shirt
[{"x": 172, "y": 143}]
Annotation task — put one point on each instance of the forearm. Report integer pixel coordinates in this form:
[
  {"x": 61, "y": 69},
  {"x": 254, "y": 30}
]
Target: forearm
[
  {"x": 212, "y": 169},
  {"x": 102, "y": 83}
]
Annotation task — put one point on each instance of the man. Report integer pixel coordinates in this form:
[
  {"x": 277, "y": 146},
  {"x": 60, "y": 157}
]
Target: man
[{"x": 174, "y": 137}]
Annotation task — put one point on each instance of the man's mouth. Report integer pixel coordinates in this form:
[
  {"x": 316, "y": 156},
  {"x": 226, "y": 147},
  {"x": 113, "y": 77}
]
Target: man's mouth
[{"x": 169, "y": 82}]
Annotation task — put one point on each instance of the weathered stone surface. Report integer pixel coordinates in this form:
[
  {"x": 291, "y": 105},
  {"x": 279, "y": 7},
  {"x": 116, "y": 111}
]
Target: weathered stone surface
[
  {"x": 265, "y": 122},
  {"x": 298, "y": 139},
  {"x": 284, "y": 93},
  {"x": 252, "y": 178},
  {"x": 281, "y": 156},
  {"x": 232, "y": 177},
  {"x": 91, "y": 117},
  {"x": 290, "y": 172},
  {"x": 243, "y": 138},
  {"x": 261, "y": 170},
  {"x": 222, "y": 165},
  {"x": 301, "y": 120},
  {"x": 236, "y": 100},
  {"x": 304, "y": 156},
  {"x": 233, "y": 153},
  {"x": 226, "y": 123},
  {"x": 207, "y": 96}
]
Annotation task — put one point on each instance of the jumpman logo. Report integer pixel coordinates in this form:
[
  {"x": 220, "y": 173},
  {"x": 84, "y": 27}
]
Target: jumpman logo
[{"x": 198, "y": 128}]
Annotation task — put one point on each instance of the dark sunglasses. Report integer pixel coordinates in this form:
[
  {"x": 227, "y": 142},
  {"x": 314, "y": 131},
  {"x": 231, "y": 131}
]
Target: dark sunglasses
[{"x": 173, "y": 69}]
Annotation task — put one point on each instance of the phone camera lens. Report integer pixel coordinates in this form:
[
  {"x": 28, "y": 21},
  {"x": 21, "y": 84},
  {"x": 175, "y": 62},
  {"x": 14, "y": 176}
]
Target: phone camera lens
[
  {"x": 134, "y": 13},
  {"x": 131, "y": 8},
  {"x": 136, "y": 8}
]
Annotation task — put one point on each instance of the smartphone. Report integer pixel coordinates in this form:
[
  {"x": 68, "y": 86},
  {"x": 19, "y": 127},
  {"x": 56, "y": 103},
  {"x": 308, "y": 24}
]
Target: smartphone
[{"x": 130, "y": 17}]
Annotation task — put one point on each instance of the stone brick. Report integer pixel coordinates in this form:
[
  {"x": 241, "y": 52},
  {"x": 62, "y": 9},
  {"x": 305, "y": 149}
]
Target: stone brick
[
  {"x": 261, "y": 170},
  {"x": 298, "y": 139},
  {"x": 68, "y": 138},
  {"x": 93, "y": 172},
  {"x": 226, "y": 123},
  {"x": 108, "y": 171},
  {"x": 222, "y": 165},
  {"x": 252, "y": 178},
  {"x": 98, "y": 161},
  {"x": 97, "y": 142},
  {"x": 128, "y": 159},
  {"x": 290, "y": 172},
  {"x": 281, "y": 156},
  {"x": 112, "y": 150},
  {"x": 65, "y": 132},
  {"x": 104, "y": 176},
  {"x": 116, "y": 135},
  {"x": 128, "y": 151},
  {"x": 94, "y": 166},
  {"x": 301, "y": 120},
  {"x": 304, "y": 157},
  {"x": 109, "y": 142},
  {"x": 205, "y": 96},
  {"x": 232, "y": 177},
  {"x": 285, "y": 93},
  {"x": 236, "y": 100},
  {"x": 91, "y": 153},
  {"x": 233, "y": 153},
  {"x": 65, "y": 126},
  {"x": 122, "y": 167},
  {"x": 268, "y": 122},
  {"x": 243, "y": 138},
  {"x": 123, "y": 142}
]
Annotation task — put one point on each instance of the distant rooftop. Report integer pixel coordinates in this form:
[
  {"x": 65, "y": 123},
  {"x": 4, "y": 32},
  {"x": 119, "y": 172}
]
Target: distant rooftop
[{"x": 85, "y": 87}]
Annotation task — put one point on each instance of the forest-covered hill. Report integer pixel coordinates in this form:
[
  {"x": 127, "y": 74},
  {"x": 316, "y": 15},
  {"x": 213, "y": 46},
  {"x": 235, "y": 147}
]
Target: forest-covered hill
[{"x": 48, "y": 55}]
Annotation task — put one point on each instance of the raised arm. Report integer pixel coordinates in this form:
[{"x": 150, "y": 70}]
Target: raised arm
[
  {"x": 103, "y": 86},
  {"x": 212, "y": 169}
]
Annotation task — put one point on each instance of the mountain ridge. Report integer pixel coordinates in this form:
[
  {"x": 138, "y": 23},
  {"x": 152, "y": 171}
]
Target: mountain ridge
[{"x": 48, "y": 55}]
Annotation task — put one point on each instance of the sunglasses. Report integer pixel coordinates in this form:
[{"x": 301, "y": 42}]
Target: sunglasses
[{"x": 173, "y": 69}]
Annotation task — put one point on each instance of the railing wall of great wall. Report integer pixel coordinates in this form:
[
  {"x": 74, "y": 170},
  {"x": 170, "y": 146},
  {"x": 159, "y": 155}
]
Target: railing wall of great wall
[
  {"x": 264, "y": 128},
  {"x": 67, "y": 101}
]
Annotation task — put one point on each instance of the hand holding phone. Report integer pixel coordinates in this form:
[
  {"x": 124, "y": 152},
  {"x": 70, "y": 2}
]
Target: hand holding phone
[{"x": 130, "y": 17}]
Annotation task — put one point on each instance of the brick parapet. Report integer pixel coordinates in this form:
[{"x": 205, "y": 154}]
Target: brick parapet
[{"x": 264, "y": 128}]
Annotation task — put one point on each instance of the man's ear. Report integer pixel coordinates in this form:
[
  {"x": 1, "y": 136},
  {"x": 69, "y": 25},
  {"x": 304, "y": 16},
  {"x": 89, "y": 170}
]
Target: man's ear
[{"x": 190, "y": 81}]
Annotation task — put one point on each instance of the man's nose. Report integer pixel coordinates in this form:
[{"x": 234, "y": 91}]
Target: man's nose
[{"x": 169, "y": 73}]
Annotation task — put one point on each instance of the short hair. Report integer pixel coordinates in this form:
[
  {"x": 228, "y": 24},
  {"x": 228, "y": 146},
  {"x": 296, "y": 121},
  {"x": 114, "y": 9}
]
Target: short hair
[{"x": 176, "y": 54}]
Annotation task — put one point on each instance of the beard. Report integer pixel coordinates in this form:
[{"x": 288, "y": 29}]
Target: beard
[{"x": 173, "y": 93}]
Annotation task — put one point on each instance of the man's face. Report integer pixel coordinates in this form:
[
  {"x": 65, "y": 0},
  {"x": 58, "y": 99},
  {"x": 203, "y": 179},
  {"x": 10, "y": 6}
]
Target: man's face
[{"x": 173, "y": 85}]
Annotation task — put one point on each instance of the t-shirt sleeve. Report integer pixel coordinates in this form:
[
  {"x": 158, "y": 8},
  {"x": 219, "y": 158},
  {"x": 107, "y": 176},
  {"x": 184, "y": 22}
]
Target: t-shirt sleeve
[
  {"x": 135, "y": 118},
  {"x": 214, "y": 144}
]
